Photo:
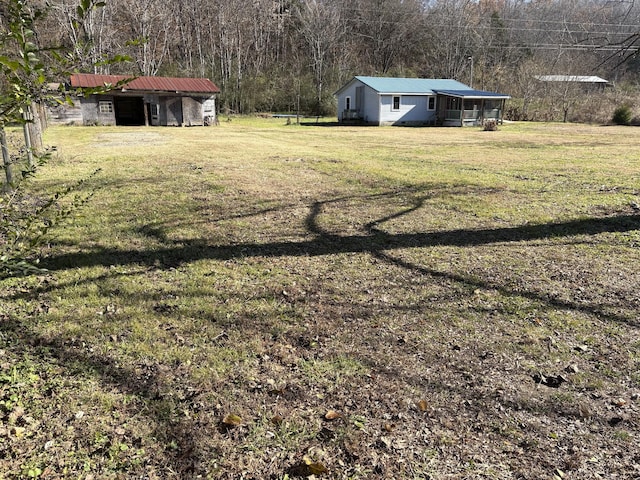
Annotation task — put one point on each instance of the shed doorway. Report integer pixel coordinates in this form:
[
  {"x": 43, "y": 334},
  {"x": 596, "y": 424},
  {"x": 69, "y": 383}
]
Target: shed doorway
[{"x": 129, "y": 111}]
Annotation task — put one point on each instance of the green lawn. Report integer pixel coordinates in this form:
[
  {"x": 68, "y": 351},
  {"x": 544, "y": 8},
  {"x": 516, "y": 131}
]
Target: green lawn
[{"x": 267, "y": 301}]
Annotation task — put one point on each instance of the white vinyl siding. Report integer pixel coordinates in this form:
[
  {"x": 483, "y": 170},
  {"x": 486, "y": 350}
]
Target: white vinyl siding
[{"x": 412, "y": 109}]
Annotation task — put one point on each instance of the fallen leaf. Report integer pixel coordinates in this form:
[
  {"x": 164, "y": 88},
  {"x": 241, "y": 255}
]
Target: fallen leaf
[
  {"x": 314, "y": 468},
  {"x": 232, "y": 420},
  {"x": 332, "y": 415}
]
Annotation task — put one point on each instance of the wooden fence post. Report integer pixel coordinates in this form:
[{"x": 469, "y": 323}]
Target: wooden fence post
[
  {"x": 6, "y": 160},
  {"x": 26, "y": 116}
]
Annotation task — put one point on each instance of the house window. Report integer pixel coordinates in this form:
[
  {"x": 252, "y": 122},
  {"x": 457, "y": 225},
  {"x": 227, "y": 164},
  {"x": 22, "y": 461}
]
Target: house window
[
  {"x": 396, "y": 103},
  {"x": 105, "y": 107},
  {"x": 431, "y": 103},
  {"x": 347, "y": 103}
]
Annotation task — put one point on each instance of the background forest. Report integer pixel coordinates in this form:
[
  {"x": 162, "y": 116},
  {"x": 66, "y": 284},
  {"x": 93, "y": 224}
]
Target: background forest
[{"x": 289, "y": 55}]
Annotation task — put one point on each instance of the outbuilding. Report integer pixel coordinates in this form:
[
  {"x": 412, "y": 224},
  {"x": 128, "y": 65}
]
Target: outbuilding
[
  {"x": 121, "y": 100},
  {"x": 586, "y": 82},
  {"x": 416, "y": 101}
]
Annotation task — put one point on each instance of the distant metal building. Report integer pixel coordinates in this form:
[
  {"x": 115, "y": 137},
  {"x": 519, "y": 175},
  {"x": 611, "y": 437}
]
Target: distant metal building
[
  {"x": 587, "y": 82},
  {"x": 139, "y": 101}
]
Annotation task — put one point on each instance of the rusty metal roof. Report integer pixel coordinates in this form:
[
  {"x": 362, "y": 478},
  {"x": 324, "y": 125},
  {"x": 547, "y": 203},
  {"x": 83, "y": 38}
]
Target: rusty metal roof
[{"x": 146, "y": 84}]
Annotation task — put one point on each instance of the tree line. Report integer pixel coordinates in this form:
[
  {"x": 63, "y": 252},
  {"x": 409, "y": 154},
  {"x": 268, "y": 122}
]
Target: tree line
[{"x": 285, "y": 55}]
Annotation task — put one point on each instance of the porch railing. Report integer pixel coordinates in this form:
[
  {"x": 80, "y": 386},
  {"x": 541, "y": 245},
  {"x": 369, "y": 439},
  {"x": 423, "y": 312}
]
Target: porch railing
[
  {"x": 452, "y": 114},
  {"x": 472, "y": 115},
  {"x": 492, "y": 114}
]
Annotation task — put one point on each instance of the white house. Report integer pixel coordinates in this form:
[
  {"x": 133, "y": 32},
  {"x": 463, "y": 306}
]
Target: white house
[{"x": 416, "y": 101}]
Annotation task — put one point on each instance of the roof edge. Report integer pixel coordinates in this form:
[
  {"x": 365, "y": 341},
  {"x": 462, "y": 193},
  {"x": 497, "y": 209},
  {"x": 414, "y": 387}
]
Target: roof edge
[{"x": 146, "y": 83}]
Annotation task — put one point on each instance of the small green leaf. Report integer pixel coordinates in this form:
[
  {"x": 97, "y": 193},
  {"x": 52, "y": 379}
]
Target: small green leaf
[
  {"x": 232, "y": 420},
  {"x": 34, "y": 472},
  {"x": 10, "y": 64}
]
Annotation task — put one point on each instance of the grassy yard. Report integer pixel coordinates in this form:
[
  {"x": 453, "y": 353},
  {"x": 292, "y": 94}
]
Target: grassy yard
[{"x": 263, "y": 301}]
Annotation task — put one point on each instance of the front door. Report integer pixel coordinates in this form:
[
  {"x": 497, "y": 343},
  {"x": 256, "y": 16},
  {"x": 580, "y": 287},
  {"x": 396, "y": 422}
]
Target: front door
[{"x": 153, "y": 112}]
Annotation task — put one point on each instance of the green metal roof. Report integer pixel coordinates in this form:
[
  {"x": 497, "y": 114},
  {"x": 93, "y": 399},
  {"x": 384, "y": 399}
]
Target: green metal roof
[{"x": 411, "y": 85}]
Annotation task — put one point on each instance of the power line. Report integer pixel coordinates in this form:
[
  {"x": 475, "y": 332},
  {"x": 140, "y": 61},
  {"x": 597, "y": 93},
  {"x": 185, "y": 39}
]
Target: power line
[{"x": 538, "y": 24}]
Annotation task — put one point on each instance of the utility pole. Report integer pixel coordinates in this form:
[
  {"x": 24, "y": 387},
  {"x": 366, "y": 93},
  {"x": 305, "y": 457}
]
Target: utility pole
[{"x": 471, "y": 76}]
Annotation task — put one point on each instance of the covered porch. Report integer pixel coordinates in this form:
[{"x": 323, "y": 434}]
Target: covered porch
[{"x": 460, "y": 108}]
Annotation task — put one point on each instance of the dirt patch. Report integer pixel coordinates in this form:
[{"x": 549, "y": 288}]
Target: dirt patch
[{"x": 124, "y": 139}]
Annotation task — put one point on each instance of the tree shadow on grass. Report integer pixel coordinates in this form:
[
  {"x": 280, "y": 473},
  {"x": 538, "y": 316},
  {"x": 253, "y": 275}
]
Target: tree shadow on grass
[
  {"x": 148, "y": 387},
  {"x": 374, "y": 241},
  {"x": 332, "y": 244}
]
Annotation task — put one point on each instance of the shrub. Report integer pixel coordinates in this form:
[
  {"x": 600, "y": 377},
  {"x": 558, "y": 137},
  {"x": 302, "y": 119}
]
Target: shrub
[
  {"x": 622, "y": 115},
  {"x": 490, "y": 125},
  {"x": 26, "y": 218}
]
